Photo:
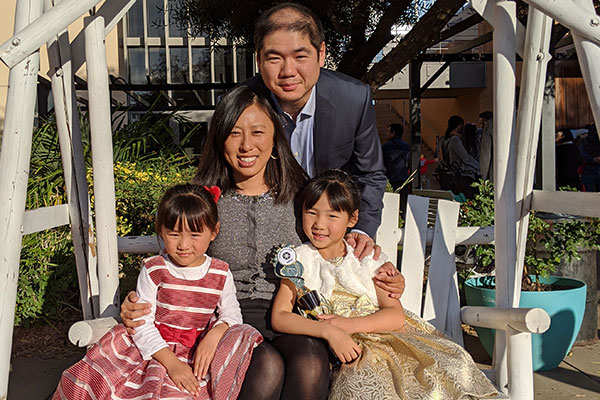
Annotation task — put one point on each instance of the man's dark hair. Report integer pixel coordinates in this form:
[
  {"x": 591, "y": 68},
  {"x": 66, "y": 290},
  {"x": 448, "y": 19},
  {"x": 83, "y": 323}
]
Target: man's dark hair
[
  {"x": 487, "y": 115},
  {"x": 306, "y": 21},
  {"x": 396, "y": 129}
]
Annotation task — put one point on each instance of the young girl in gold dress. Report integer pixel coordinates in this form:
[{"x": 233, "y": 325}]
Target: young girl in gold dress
[{"x": 386, "y": 352}]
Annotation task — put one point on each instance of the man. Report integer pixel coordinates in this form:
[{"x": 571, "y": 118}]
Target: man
[
  {"x": 329, "y": 117},
  {"x": 396, "y": 156},
  {"x": 486, "y": 153}
]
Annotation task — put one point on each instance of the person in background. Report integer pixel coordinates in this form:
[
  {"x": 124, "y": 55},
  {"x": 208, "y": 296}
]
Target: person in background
[
  {"x": 567, "y": 159},
  {"x": 396, "y": 159},
  {"x": 471, "y": 140},
  {"x": 590, "y": 154},
  {"x": 486, "y": 152},
  {"x": 463, "y": 165},
  {"x": 396, "y": 156}
]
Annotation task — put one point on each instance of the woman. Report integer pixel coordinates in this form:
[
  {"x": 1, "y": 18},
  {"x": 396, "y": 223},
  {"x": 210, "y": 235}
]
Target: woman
[
  {"x": 456, "y": 156},
  {"x": 247, "y": 155}
]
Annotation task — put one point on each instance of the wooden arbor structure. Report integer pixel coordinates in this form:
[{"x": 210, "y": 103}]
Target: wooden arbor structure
[{"x": 39, "y": 22}]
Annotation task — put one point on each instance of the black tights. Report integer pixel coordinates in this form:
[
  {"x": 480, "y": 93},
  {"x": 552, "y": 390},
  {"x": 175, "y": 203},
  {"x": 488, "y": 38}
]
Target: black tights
[{"x": 290, "y": 367}]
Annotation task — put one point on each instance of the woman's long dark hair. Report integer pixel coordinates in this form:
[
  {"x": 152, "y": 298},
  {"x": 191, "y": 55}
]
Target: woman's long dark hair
[
  {"x": 282, "y": 173},
  {"x": 470, "y": 139},
  {"x": 453, "y": 122}
]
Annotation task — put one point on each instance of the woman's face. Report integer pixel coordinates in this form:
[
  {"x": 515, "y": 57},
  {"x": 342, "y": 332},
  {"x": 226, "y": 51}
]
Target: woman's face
[{"x": 249, "y": 145}]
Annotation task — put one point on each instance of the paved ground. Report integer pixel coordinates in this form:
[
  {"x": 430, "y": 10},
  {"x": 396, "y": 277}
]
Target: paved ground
[{"x": 42, "y": 358}]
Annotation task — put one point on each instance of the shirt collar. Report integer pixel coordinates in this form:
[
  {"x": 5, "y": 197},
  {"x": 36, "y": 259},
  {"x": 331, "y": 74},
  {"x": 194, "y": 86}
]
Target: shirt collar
[{"x": 307, "y": 111}]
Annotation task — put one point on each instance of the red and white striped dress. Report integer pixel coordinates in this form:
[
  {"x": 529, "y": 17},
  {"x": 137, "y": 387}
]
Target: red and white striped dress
[{"x": 115, "y": 368}]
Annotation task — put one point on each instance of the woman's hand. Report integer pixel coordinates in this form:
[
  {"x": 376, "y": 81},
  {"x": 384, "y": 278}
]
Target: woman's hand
[
  {"x": 130, "y": 310},
  {"x": 344, "y": 347},
  {"x": 390, "y": 279}
]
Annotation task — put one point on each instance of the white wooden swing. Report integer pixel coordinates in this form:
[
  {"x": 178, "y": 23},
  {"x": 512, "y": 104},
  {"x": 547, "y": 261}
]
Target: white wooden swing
[{"x": 45, "y": 21}]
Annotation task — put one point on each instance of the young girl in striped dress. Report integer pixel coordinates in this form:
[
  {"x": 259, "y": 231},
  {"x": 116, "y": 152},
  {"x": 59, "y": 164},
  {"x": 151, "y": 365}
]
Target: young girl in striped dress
[{"x": 193, "y": 344}]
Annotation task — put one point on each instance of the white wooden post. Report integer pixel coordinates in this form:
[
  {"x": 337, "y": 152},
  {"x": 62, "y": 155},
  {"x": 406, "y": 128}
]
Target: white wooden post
[
  {"x": 71, "y": 149},
  {"x": 520, "y": 368},
  {"x": 413, "y": 250},
  {"x": 102, "y": 161},
  {"x": 535, "y": 61},
  {"x": 588, "y": 53},
  {"x": 388, "y": 234},
  {"x": 504, "y": 169},
  {"x": 14, "y": 172}
]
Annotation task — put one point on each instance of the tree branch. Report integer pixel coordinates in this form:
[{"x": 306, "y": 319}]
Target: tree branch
[
  {"x": 425, "y": 32},
  {"x": 356, "y": 60}
]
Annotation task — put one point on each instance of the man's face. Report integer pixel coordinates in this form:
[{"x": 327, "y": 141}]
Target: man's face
[{"x": 290, "y": 67}]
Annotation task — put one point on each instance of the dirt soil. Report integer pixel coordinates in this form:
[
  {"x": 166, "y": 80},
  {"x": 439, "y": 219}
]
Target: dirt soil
[{"x": 45, "y": 341}]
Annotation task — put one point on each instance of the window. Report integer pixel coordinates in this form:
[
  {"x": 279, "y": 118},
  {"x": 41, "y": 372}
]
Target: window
[{"x": 156, "y": 45}]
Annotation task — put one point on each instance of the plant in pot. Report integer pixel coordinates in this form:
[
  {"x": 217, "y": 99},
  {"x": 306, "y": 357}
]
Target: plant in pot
[{"x": 549, "y": 243}]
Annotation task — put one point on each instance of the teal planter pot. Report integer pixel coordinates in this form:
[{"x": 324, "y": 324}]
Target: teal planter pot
[{"x": 565, "y": 308}]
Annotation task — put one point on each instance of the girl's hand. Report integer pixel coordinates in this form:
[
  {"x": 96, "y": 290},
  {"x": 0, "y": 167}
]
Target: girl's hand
[
  {"x": 130, "y": 310},
  {"x": 183, "y": 377},
  {"x": 343, "y": 323},
  {"x": 390, "y": 279},
  {"x": 344, "y": 347},
  {"x": 204, "y": 356}
]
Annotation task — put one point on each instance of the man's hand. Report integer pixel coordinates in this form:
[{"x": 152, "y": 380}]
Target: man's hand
[
  {"x": 390, "y": 279},
  {"x": 130, "y": 310},
  {"x": 363, "y": 245}
]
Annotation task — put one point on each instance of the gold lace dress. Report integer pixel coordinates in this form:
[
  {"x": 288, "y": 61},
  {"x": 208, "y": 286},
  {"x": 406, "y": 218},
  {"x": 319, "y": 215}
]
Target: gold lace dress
[{"x": 417, "y": 363}]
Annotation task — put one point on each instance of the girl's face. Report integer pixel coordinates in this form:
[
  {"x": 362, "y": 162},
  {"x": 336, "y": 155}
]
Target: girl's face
[
  {"x": 249, "y": 145},
  {"x": 326, "y": 227},
  {"x": 186, "y": 248}
]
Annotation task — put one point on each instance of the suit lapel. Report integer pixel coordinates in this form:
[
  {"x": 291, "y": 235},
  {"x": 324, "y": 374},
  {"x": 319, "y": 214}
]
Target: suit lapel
[{"x": 325, "y": 115}]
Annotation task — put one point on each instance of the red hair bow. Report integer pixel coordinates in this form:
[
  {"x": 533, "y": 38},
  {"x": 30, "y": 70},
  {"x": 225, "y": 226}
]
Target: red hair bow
[{"x": 215, "y": 191}]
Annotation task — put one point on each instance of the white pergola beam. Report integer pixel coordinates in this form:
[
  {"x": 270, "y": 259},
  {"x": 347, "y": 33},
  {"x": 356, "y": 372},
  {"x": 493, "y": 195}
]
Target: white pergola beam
[
  {"x": 14, "y": 172},
  {"x": 112, "y": 12},
  {"x": 45, "y": 218},
  {"x": 102, "y": 162},
  {"x": 585, "y": 204},
  {"x": 71, "y": 150},
  {"x": 505, "y": 233},
  {"x": 535, "y": 62},
  {"x": 588, "y": 54},
  {"x": 28, "y": 39},
  {"x": 578, "y": 18},
  {"x": 485, "y": 8}
]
